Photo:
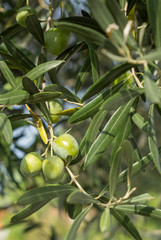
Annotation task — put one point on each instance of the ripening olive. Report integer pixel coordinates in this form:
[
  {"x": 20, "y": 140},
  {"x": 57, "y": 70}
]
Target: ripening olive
[
  {"x": 66, "y": 147},
  {"x": 56, "y": 40},
  {"x": 31, "y": 164},
  {"x": 55, "y": 107},
  {"x": 53, "y": 169}
]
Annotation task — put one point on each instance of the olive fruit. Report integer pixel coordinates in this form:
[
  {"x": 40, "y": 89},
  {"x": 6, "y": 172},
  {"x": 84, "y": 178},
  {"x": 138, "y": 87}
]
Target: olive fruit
[
  {"x": 53, "y": 169},
  {"x": 56, "y": 40},
  {"x": 23, "y": 13},
  {"x": 66, "y": 147},
  {"x": 55, "y": 107},
  {"x": 31, "y": 164}
]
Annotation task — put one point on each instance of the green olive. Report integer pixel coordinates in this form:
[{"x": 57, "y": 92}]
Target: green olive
[
  {"x": 56, "y": 40},
  {"x": 53, "y": 169},
  {"x": 55, "y": 107},
  {"x": 31, "y": 164},
  {"x": 66, "y": 147},
  {"x": 23, "y": 13}
]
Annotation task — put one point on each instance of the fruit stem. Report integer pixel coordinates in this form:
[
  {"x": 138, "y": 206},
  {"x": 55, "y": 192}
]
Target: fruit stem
[
  {"x": 51, "y": 10},
  {"x": 45, "y": 153},
  {"x": 73, "y": 179},
  {"x": 51, "y": 136},
  {"x": 136, "y": 78}
]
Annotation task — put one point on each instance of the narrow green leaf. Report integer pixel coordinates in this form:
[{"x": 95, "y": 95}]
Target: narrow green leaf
[
  {"x": 86, "y": 21},
  {"x": 152, "y": 139},
  {"x": 19, "y": 56},
  {"x": 139, "y": 120},
  {"x": 88, "y": 33},
  {"x": 114, "y": 171},
  {"x": 143, "y": 210},
  {"x": 71, "y": 235},
  {"x": 105, "y": 220},
  {"x": 153, "y": 55},
  {"x": 69, "y": 53},
  {"x": 83, "y": 74},
  {"x": 136, "y": 152},
  {"x": 11, "y": 31},
  {"x": 73, "y": 210},
  {"x": 107, "y": 135},
  {"x": 122, "y": 134},
  {"x": 127, "y": 150},
  {"x": 34, "y": 27},
  {"x": 79, "y": 197},
  {"x": 20, "y": 116},
  {"x": 121, "y": 97},
  {"x": 154, "y": 9},
  {"x": 29, "y": 86},
  {"x": 8, "y": 58},
  {"x": 8, "y": 75},
  {"x": 68, "y": 112},
  {"x": 151, "y": 90},
  {"x": 66, "y": 94},
  {"x": 141, "y": 199},
  {"x": 43, "y": 68},
  {"x": 13, "y": 97},
  {"x": 37, "y": 97},
  {"x": 125, "y": 221},
  {"x": 41, "y": 59},
  {"x": 94, "y": 62},
  {"x": 120, "y": 19},
  {"x": 94, "y": 128},
  {"x": 41, "y": 193},
  {"x": 41, "y": 97},
  {"x": 93, "y": 106},
  {"x": 39, "y": 70},
  {"x": 6, "y": 128},
  {"x": 137, "y": 167},
  {"x": 43, "y": 108},
  {"x": 29, "y": 210},
  {"x": 106, "y": 80},
  {"x": 104, "y": 17}
]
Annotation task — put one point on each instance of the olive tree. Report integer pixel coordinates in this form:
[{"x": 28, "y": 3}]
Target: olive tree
[{"x": 80, "y": 77}]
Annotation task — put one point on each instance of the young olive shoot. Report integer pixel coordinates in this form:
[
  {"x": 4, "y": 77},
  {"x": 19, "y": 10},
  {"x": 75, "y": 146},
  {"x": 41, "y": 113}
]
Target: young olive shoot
[
  {"x": 31, "y": 164},
  {"x": 66, "y": 147},
  {"x": 55, "y": 107},
  {"x": 23, "y": 13},
  {"x": 53, "y": 169},
  {"x": 56, "y": 40}
]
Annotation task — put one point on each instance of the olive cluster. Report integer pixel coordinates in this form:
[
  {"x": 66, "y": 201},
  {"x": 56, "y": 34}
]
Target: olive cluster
[
  {"x": 65, "y": 148},
  {"x": 56, "y": 40}
]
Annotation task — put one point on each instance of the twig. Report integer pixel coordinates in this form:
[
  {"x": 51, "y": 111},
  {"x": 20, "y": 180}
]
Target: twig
[
  {"x": 136, "y": 78},
  {"x": 79, "y": 104},
  {"x": 73, "y": 179},
  {"x": 127, "y": 195},
  {"x": 51, "y": 140},
  {"x": 46, "y": 150},
  {"x": 51, "y": 10}
]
